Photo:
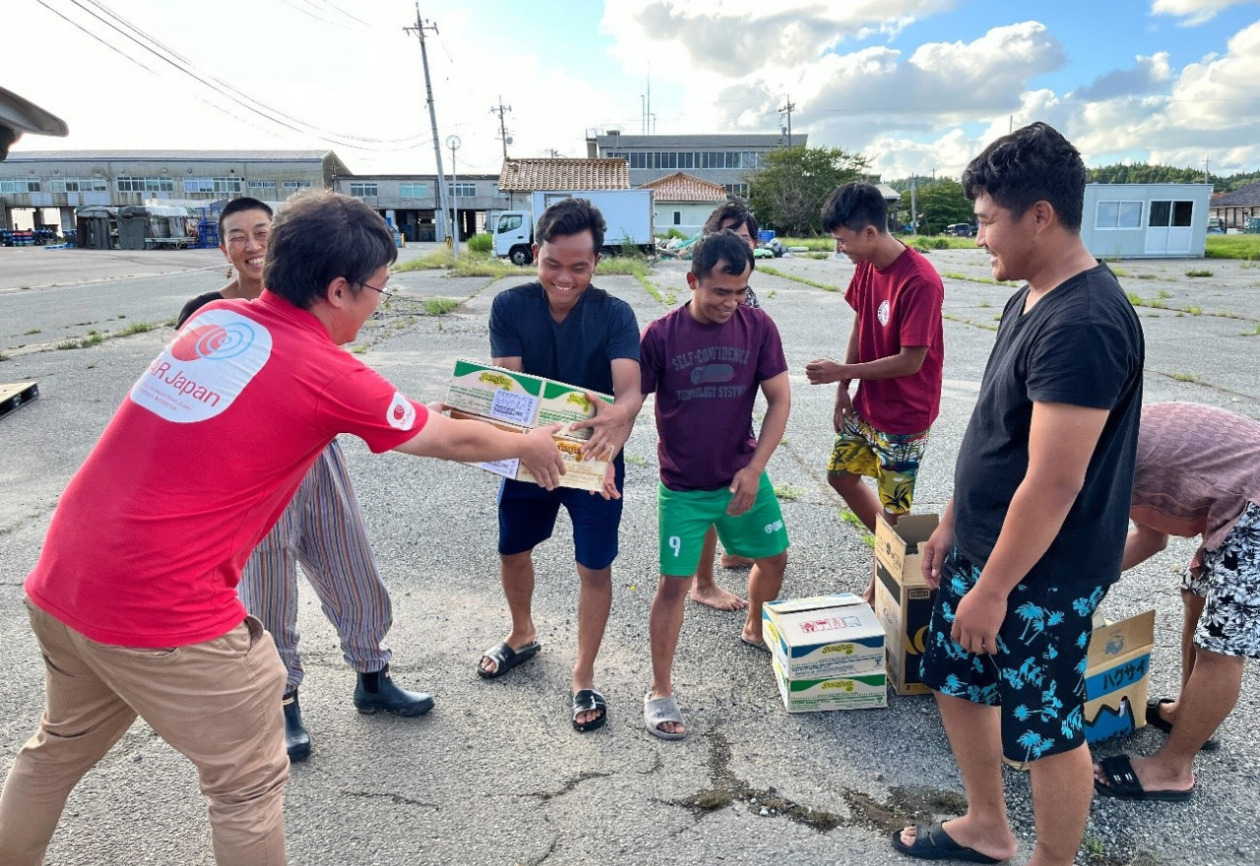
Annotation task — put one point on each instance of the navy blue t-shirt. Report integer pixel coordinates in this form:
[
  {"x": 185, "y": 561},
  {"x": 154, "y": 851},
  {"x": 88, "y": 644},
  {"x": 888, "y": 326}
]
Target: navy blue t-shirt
[
  {"x": 578, "y": 351},
  {"x": 1081, "y": 345}
]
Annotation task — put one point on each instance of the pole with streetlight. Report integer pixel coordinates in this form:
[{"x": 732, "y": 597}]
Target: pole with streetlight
[{"x": 453, "y": 142}]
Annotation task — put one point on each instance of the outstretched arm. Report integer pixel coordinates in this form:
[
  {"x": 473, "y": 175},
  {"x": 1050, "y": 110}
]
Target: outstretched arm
[{"x": 469, "y": 441}]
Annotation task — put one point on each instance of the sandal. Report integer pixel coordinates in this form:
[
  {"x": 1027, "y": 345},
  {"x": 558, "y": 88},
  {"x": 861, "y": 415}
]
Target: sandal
[
  {"x": 659, "y": 710},
  {"x": 1122, "y": 783},
  {"x": 589, "y": 701},
  {"x": 505, "y": 658},
  {"x": 931, "y": 842}
]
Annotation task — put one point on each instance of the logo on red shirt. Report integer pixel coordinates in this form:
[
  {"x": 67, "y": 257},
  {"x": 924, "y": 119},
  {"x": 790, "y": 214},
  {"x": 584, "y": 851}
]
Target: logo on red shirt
[
  {"x": 212, "y": 342},
  {"x": 400, "y": 414},
  {"x": 882, "y": 312}
]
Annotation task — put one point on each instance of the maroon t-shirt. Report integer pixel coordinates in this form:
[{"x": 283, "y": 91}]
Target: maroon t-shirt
[
  {"x": 705, "y": 378},
  {"x": 899, "y": 306}
]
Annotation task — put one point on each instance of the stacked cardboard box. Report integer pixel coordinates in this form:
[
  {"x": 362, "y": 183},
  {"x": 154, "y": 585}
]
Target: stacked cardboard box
[
  {"x": 903, "y": 602},
  {"x": 828, "y": 653},
  {"x": 519, "y": 402}
]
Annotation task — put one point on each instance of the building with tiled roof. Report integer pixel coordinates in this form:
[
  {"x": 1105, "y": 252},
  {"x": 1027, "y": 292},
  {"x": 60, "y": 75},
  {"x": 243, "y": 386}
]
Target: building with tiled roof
[
  {"x": 683, "y": 202},
  {"x": 555, "y": 175}
]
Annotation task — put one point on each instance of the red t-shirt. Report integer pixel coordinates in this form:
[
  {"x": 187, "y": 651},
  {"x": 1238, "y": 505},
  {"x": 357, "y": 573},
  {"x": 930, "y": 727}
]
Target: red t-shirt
[
  {"x": 899, "y": 306},
  {"x": 148, "y": 541}
]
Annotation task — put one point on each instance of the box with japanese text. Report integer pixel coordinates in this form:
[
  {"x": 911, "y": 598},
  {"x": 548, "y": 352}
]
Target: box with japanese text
[
  {"x": 823, "y": 636},
  {"x": 856, "y": 691},
  {"x": 517, "y": 398}
]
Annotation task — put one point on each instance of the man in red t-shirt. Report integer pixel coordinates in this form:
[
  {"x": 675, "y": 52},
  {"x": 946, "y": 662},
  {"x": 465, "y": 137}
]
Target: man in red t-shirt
[
  {"x": 134, "y": 598},
  {"x": 896, "y": 349}
]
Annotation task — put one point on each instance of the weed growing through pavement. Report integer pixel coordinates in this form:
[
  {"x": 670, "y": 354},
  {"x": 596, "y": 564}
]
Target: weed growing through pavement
[
  {"x": 439, "y": 306},
  {"x": 1186, "y": 377},
  {"x": 775, "y": 272},
  {"x": 1198, "y": 273},
  {"x": 31, "y": 331}
]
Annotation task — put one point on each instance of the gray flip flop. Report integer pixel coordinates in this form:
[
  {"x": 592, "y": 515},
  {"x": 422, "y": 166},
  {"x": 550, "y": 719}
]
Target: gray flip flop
[{"x": 658, "y": 710}]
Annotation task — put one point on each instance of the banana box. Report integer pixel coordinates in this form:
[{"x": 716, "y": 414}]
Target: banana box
[
  {"x": 857, "y": 691},
  {"x": 519, "y": 399},
  {"x": 581, "y": 473},
  {"x": 903, "y": 602},
  {"x": 824, "y": 636}
]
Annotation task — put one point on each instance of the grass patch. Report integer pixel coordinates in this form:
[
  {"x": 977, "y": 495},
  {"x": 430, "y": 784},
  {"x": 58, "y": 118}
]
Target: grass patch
[
  {"x": 359, "y": 350},
  {"x": 965, "y": 321},
  {"x": 1194, "y": 311},
  {"x": 1198, "y": 273},
  {"x": 770, "y": 295},
  {"x": 1148, "y": 276},
  {"x": 813, "y": 245},
  {"x": 436, "y": 260},
  {"x": 622, "y": 266},
  {"x": 1120, "y": 272},
  {"x": 1245, "y": 247},
  {"x": 28, "y": 333},
  {"x": 649, "y": 287},
  {"x": 775, "y": 272},
  {"x": 439, "y": 306},
  {"x": 786, "y": 493},
  {"x": 3, "y": 356},
  {"x": 819, "y": 256},
  {"x": 135, "y": 328},
  {"x": 636, "y": 460},
  {"x": 1253, "y": 333},
  {"x": 1185, "y": 377},
  {"x": 952, "y": 275},
  {"x": 671, "y": 299}
]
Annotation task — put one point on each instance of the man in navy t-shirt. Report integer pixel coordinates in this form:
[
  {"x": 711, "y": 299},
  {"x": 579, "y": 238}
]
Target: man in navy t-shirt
[
  {"x": 565, "y": 329},
  {"x": 1035, "y": 531}
]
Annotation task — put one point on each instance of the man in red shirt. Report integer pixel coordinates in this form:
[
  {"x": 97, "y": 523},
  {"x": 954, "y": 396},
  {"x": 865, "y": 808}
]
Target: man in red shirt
[
  {"x": 134, "y": 598},
  {"x": 896, "y": 349}
]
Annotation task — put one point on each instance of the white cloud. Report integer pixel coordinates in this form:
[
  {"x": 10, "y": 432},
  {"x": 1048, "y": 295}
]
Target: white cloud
[{"x": 1194, "y": 12}]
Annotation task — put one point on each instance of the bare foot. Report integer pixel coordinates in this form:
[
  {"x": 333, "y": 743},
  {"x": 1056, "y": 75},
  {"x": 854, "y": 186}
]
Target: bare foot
[
  {"x": 716, "y": 597},
  {"x": 730, "y": 560},
  {"x": 961, "y": 833}
]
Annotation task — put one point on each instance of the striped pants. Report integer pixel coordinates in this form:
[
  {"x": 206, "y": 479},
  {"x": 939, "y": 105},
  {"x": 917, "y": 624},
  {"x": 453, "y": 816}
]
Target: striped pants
[{"x": 323, "y": 529}]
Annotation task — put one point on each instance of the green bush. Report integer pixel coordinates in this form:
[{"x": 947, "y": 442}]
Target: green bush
[{"x": 482, "y": 243}]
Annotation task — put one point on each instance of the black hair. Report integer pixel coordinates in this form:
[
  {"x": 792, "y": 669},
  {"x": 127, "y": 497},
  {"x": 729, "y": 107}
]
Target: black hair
[
  {"x": 237, "y": 205},
  {"x": 720, "y": 248},
  {"x": 1034, "y": 163},
  {"x": 570, "y": 216},
  {"x": 855, "y": 206},
  {"x": 319, "y": 236},
  {"x": 736, "y": 213}
]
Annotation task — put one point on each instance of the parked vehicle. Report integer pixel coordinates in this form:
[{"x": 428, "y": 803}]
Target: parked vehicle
[
  {"x": 960, "y": 230},
  {"x": 627, "y": 213},
  {"x": 1215, "y": 226},
  {"x": 1252, "y": 226}
]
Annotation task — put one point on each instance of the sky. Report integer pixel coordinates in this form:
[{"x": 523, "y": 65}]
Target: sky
[{"x": 917, "y": 86}]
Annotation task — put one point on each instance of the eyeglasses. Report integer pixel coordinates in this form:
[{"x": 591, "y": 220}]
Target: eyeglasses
[{"x": 386, "y": 294}]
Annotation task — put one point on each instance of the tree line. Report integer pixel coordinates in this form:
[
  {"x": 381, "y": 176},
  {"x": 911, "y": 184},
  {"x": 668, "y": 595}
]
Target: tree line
[{"x": 788, "y": 191}]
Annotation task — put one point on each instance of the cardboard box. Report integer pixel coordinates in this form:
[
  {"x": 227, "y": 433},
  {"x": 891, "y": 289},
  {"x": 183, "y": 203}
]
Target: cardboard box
[
  {"x": 1117, "y": 677},
  {"x": 516, "y": 398},
  {"x": 903, "y": 602},
  {"x": 581, "y": 473},
  {"x": 824, "y": 636},
  {"x": 857, "y": 691}
]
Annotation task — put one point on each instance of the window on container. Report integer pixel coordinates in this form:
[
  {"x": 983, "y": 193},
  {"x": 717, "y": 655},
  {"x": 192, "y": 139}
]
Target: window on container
[
  {"x": 1182, "y": 213},
  {"x": 1161, "y": 213},
  {"x": 677, "y": 217}
]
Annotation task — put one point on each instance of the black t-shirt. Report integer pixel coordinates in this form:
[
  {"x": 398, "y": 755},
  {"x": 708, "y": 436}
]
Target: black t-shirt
[
  {"x": 194, "y": 305},
  {"x": 1082, "y": 345}
]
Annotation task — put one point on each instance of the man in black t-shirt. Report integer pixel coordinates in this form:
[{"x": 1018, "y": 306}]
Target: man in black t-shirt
[{"x": 1035, "y": 531}]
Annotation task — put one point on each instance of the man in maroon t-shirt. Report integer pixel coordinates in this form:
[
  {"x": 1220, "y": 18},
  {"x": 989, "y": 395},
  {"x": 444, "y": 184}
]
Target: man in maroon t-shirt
[
  {"x": 705, "y": 362},
  {"x": 896, "y": 349}
]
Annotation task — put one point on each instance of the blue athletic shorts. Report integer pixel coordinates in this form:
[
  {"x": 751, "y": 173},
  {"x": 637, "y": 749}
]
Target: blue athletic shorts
[
  {"x": 527, "y": 517},
  {"x": 1037, "y": 676}
]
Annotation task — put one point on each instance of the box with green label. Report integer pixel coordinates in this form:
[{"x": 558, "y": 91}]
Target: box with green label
[
  {"x": 580, "y": 472},
  {"x": 857, "y": 691},
  {"x": 498, "y": 394},
  {"x": 823, "y": 636}
]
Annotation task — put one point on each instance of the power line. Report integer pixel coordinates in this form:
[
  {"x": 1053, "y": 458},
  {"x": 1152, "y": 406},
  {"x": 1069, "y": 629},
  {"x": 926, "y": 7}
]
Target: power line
[
  {"x": 500, "y": 110},
  {"x": 221, "y": 88}
]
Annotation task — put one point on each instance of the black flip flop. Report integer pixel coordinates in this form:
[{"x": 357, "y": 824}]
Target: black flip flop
[
  {"x": 505, "y": 658},
  {"x": 589, "y": 701},
  {"x": 931, "y": 842},
  {"x": 1155, "y": 720},
  {"x": 1122, "y": 783}
]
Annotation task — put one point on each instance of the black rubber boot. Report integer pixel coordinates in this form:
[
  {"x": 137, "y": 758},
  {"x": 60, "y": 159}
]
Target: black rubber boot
[
  {"x": 296, "y": 740},
  {"x": 376, "y": 692}
]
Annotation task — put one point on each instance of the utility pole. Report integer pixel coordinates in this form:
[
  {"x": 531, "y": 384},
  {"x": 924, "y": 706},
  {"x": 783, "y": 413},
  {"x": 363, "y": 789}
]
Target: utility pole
[
  {"x": 453, "y": 142},
  {"x": 788, "y": 109},
  {"x": 500, "y": 109},
  {"x": 439, "y": 212}
]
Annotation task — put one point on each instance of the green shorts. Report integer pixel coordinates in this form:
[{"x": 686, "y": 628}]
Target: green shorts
[
  {"x": 891, "y": 459},
  {"x": 685, "y": 516}
]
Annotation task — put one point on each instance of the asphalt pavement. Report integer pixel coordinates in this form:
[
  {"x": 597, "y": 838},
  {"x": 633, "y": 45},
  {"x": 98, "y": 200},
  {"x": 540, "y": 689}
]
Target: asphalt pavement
[{"x": 495, "y": 774}]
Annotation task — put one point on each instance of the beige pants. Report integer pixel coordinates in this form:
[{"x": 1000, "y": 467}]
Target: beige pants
[{"x": 216, "y": 702}]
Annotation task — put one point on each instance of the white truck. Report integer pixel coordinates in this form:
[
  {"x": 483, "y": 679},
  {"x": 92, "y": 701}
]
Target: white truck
[{"x": 627, "y": 214}]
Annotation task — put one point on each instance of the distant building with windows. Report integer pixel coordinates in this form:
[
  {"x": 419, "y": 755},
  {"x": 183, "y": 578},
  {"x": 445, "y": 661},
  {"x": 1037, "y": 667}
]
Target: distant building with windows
[
  {"x": 409, "y": 201},
  {"x": 67, "y": 179},
  {"x": 1146, "y": 220},
  {"x": 720, "y": 159},
  {"x": 683, "y": 202}
]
